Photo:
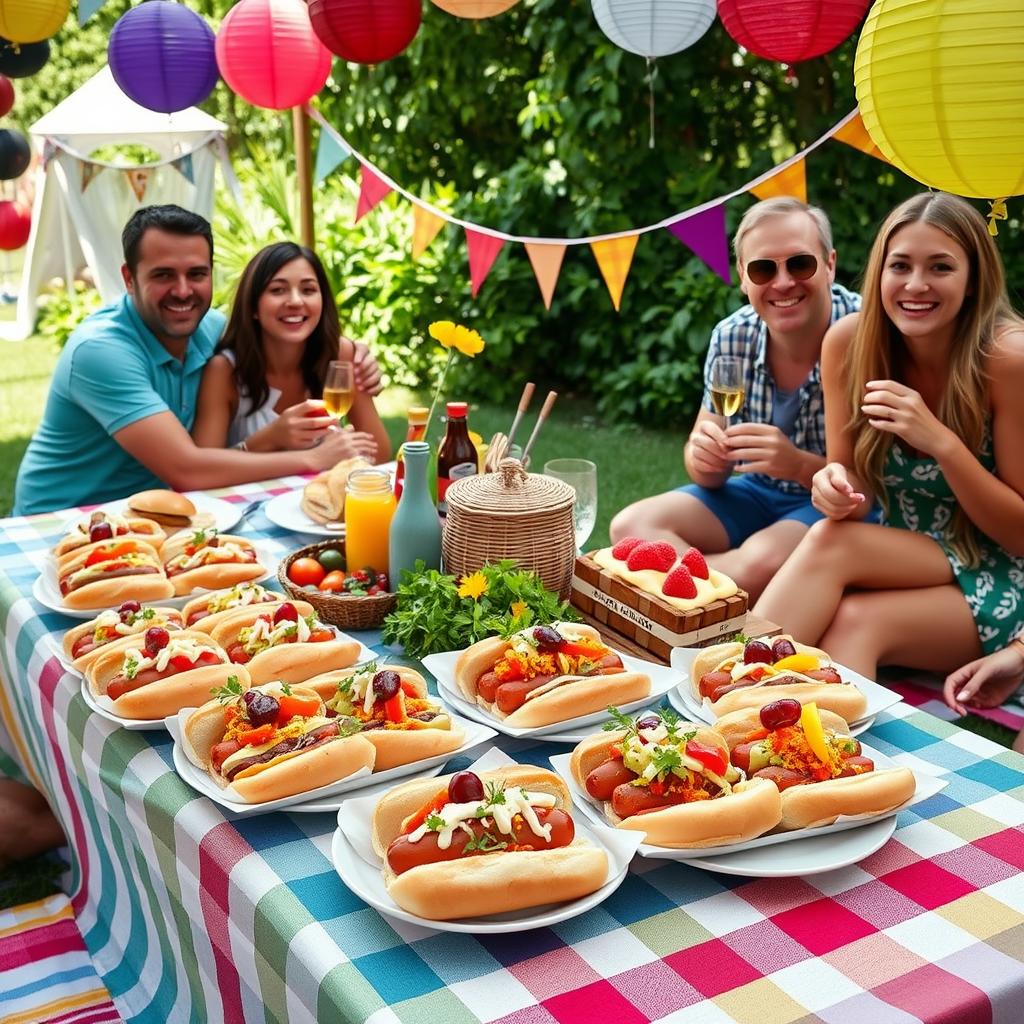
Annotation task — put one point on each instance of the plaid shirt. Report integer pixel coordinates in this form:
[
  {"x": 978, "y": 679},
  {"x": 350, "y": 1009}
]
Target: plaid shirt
[{"x": 744, "y": 335}]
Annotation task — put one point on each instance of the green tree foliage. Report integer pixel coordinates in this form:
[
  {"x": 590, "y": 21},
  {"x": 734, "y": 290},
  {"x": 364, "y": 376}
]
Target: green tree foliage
[{"x": 533, "y": 122}]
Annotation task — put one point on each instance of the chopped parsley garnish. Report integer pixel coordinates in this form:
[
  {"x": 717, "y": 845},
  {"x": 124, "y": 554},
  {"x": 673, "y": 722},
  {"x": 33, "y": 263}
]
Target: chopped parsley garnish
[
  {"x": 231, "y": 690},
  {"x": 485, "y": 844},
  {"x": 434, "y": 822}
]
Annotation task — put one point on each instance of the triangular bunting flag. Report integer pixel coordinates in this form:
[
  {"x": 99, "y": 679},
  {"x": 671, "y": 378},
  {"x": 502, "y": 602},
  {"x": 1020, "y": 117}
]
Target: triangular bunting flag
[
  {"x": 483, "y": 251},
  {"x": 546, "y": 260},
  {"x": 138, "y": 178},
  {"x": 87, "y": 8},
  {"x": 790, "y": 181},
  {"x": 704, "y": 234},
  {"x": 371, "y": 191},
  {"x": 853, "y": 133},
  {"x": 615, "y": 256},
  {"x": 329, "y": 154},
  {"x": 184, "y": 165},
  {"x": 89, "y": 171},
  {"x": 425, "y": 226}
]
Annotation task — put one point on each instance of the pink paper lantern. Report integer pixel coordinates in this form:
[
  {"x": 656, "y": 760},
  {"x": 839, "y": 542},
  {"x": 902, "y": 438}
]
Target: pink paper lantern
[
  {"x": 366, "y": 31},
  {"x": 791, "y": 30},
  {"x": 268, "y": 53},
  {"x": 15, "y": 225}
]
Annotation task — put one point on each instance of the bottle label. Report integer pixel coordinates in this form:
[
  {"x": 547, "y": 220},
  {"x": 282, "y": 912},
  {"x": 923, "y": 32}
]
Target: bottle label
[{"x": 457, "y": 472}]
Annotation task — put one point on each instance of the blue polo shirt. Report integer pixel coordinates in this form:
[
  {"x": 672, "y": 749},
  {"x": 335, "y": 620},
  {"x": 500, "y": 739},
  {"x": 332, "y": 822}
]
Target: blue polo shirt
[{"x": 112, "y": 373}]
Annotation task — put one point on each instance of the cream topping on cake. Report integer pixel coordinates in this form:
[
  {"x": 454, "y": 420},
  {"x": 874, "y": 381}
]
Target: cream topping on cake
[{"x": 718, "y": 586}]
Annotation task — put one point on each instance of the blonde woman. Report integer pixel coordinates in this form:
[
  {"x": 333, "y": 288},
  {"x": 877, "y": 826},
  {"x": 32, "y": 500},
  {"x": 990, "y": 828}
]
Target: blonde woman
[{"x": 923, "y": 412}]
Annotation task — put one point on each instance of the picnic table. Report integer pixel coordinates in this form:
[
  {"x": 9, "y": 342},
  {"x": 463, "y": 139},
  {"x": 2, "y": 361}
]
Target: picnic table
[{"x": 193, "y": 915}]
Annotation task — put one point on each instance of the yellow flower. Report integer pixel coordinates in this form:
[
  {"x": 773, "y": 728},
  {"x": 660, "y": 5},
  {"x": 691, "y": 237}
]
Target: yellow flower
[
  {"x": 451, "y": 335},
  {"x": 473, "y": 586},
  {"x": 517, "y": 608},
  {"x": 443, "y": 331}
]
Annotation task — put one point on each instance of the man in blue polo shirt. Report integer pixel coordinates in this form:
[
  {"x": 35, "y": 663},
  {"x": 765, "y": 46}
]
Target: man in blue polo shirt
[
  {"x": 123, "y": 395},
  {"x": 749, "y": 504}
]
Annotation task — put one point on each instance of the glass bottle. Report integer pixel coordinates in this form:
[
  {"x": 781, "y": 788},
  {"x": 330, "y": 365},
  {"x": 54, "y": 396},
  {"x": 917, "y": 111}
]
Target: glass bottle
[
  {"x": 457, "y": 456},
  {"x": 416, "y": 432},
  {"x": 416, "y": 528},
  {"x": 369, "y": 507}
]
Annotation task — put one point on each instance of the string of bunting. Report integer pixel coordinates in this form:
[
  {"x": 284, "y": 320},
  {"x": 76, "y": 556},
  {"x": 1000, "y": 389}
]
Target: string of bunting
[{"x": 701, "y": 229}]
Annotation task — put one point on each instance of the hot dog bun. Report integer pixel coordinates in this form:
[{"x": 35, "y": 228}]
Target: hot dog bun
[
  {"x": 491, "y": 883},
  {"x": 170, "y": 618},
  {"x": 165, "y": 507},
  {"x": 820, "y": 803},
  {"x": 261, "y": 598},
  {"x": 106, "y": 591},
  {"x": 751, "y": 809},
  {"x": 397, "y": 746},
  {"x": 580, "y": 695},
  {"x": 216, "y": 573},
  {"x": 842, "y": 698},
  {"x": 132, "y": 528},
  {"x": 290, "y": 774},
  {"x": 167, "y": 696}
]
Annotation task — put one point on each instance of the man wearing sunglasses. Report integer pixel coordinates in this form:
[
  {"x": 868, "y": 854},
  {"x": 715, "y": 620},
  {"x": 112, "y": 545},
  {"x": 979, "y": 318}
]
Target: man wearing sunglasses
[{"x": 749, "y": 504}]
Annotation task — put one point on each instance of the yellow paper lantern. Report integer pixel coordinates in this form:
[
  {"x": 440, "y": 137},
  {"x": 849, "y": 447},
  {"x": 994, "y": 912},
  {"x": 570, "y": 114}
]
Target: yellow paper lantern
[
  {"x": 475, "y": 8},
  {"x": 31, "y": 21},
  {"x": 940, "y": 85}
]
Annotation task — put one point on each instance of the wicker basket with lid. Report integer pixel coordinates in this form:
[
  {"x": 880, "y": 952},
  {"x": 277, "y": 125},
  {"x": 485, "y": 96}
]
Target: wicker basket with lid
[{"x": 512, "y": 514}]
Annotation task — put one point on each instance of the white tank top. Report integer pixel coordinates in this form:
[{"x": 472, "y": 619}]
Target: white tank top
[{"x": 246, "y": 422}]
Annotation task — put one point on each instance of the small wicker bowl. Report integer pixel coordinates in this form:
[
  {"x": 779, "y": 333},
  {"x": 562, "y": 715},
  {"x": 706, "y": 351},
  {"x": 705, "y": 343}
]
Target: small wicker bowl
[{"x": 347, "y": 611}]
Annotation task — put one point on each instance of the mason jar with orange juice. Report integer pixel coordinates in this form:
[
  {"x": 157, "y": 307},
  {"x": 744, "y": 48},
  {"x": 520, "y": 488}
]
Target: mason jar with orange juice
[{"x": 369, "y": 506}]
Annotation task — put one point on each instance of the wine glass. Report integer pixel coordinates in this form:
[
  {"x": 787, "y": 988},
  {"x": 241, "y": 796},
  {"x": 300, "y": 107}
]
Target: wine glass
[
  {"x": 581, "y": 475},
  {"x": 339, "y": 388},
  {"x": 728, "y": 386}
]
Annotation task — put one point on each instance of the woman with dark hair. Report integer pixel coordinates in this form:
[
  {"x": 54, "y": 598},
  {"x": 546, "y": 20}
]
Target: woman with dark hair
[{"x": 262, "y": 389}]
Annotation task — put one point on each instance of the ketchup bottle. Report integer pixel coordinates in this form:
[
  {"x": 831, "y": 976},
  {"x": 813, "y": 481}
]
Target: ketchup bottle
[
  {"x": 457, "y": 456},
  {"x": 416, "y": 432}
]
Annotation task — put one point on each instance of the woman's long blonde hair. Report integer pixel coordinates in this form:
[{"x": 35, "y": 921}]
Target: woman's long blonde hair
[{"x": 877, "y": 349}]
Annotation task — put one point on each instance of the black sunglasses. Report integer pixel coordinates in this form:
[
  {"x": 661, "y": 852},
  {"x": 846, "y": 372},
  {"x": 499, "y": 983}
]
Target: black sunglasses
[{"x": 801, "y": 267}]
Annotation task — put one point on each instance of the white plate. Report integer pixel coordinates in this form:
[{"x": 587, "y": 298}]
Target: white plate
[
  {"x": 327, "y": 797},
  {"x": 103, "y": 706},
  {"x": 781, "y": 842},
  {"x": 360, "y": 869},
  {"x": 225, "y": 513},
  {"x": 878, "y": 697},
  {"x": 286, "y": 511},
  {"x": 442, "y": 668}
]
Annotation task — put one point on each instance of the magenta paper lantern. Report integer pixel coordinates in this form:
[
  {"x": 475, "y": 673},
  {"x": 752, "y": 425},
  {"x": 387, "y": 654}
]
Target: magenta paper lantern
[
  {"x": 269, "y": 54},
  {"x": 6, "y": 95},
  {"x": 15, "y": 225},
  {"x": 791, "y": 30},
  {"x": 161, "y": 55},
  {"x": 366, "y": 31}
]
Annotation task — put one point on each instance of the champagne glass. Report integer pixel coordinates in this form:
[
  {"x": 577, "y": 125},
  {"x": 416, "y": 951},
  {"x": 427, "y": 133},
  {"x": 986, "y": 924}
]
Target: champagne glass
[
  {"x": 339, "y": 389},
  {"x": 728, "y": 386},
  {"x": 581, "y": 475}
]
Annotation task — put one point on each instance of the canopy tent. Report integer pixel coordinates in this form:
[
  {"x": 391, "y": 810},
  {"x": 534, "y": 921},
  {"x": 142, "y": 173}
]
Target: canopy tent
[{"x": 81, "y": 204}]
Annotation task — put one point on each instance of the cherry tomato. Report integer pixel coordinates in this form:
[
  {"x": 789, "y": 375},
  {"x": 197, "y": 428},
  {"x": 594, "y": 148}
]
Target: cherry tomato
[
  {"x": 780, "y": 713},
  {"x": 304, "y": 571},
  {"x": 465, "y": 787},
  {"x": 333, "y": 582},
  {"x": 286, "y": 612}
]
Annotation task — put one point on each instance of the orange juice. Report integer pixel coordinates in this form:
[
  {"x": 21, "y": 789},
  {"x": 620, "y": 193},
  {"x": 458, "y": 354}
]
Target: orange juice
[{"x": 369, "y": 506}]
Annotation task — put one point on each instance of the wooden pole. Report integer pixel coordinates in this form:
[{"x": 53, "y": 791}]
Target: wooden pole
[{"x": 304, "y": 172}]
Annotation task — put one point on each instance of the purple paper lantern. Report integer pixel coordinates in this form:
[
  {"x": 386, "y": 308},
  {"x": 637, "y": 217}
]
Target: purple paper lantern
[{"x": 161, "y": 54}]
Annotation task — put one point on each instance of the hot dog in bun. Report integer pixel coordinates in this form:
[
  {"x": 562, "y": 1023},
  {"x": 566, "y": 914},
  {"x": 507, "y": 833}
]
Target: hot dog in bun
[
  {"x": 208, "y": 610},
  {"x": 114, "y": 629},
  {"x": 104, "y": 574},
  {"x": 391, "y": 707},
  {"x": 108, "y": 526},
  {"x": 815, "y": 763},
  {"x": 208, "y": 559},
  {"x": 285, "y": 642},
  {"x": 673, "y": 781},
  {"x": 272, "y": 741},
  {"x": 161, "y": 673},
  {"x": 737, "y": 675},
  {"x": 468, "y": 845},
  {"x": 546, "y": 674}
]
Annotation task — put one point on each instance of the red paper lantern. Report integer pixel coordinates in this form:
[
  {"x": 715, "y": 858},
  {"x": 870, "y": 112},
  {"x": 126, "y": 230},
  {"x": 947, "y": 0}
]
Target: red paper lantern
[
  {"x": 268, "y": 53},
  {"x": 6, "y": 95},
  {"x": 366, "y": 31},
  {"x": 15, "y": 225},
  {"x": 791, "y": 30}
]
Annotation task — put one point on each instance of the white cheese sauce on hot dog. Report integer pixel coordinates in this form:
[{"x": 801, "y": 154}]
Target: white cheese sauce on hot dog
[{"x": 517, "y": 801}]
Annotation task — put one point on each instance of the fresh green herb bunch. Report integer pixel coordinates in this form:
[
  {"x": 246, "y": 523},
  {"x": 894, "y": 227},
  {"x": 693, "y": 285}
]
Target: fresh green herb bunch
[{"x": 431, "y": 616}]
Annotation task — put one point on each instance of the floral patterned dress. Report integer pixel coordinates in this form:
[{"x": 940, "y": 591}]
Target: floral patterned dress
[{"x": 921, "y": 500}]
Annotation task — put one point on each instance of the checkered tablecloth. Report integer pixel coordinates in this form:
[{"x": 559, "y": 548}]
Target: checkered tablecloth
[{"x": 190, "y": 916}]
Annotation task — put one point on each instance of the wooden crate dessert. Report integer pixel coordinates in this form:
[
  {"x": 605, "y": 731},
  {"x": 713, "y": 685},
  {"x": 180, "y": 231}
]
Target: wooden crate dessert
[{"x": 647, "y": 619}]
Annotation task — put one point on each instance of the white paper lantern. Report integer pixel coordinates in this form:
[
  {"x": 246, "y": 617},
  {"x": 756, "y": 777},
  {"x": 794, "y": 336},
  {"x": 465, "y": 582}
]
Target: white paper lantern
[{"x": 654, "y": 28}]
